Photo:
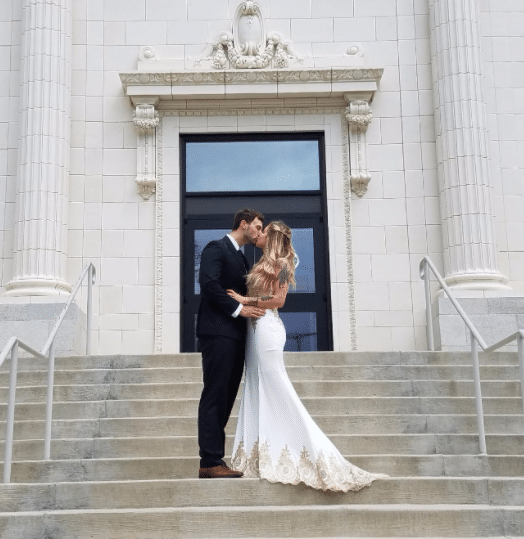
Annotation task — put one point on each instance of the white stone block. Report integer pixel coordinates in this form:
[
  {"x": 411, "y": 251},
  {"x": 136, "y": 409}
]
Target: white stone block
[
  {"x": 390, "y": 267},
  {"x": 113, "y": 189},
  {"x": 353, "y": 29},
  {"x": 387, "y": 212},
  {"x": 92, "y": 243},
  {"x": 152, "y": 33},
  {"x": 397, "y": 240},
  {"x": 118, "y": 162},
  {"x": 403, "y": 338},
  {"x": 109, "y": 342},
  {"x": 110, "y": 299},
  {"x": 369, "y": 240},
  {"x": 386, "y": 105},
  {"x": 407, "y": 52},
  {"x": 371, "y": 296},
  {"x": 291, "y": 9},
  {"x": 160, "y": 10},
  {"x": 112, "y": 243},
  {"x": 120, "y": 216},
  {"x": 119, "y": 271},
  {"x": 138, "y": 299},
  {"x": 415, "y": 211},
  {"x": 93, "y": 189},
  {"x": 171, "y": 299},
  {"x": 361, "y": 268},
  {"x": 400, "y": 296},
  {"x": 386, "y": 28},
  {"x": 146, "y": 271},
  {"x": 139, "y": 243},
  {"x": 114, "y": 33},
  {"x": 146, "y": 215},
  {"x": 394, "y": 318},
  {"x": 374, "y": 338},
  {"x": 93, "y": 216},
  {"x": 312, "y": 30},
  {"x": 94, "y": 32},
  {"x": 125, "y": 10},
  {"x": 181, "y": 32}
]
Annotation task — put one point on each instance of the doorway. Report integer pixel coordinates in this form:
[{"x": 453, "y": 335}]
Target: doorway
[{"x": 224, "y": 173}]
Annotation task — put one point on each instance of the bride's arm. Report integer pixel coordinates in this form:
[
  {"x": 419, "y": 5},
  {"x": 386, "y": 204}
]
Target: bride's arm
[{"x": 275, "y": 301}]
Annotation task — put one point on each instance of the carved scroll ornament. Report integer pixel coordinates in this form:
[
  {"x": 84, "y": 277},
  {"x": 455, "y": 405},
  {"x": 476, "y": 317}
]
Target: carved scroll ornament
[
  {"x": 359, "y": 116},
  {"x": 146, "y": 120}
]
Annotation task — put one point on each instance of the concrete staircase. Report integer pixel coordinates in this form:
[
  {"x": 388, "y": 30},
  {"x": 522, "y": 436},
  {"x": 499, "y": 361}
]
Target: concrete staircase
[{"x": 125, "y": 453}]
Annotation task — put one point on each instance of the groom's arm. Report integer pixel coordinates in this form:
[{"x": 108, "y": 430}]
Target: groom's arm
[{"x": 211, "y": 269}]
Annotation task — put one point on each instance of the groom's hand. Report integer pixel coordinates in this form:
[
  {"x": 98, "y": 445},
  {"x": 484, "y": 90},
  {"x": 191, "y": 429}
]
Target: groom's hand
[{"x": 251, "y": 312}]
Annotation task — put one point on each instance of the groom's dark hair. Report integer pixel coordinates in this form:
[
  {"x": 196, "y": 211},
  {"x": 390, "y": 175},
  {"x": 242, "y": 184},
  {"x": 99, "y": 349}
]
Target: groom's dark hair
[{"x": 248, "y": 216}]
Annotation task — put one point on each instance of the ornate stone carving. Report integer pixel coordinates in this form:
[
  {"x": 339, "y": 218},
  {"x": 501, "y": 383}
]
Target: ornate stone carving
[
  {"x": 159, "y": 243},
  {"x": 359, "y": 116},
  {"x": 248, "y": 47},
  {"x": 145, "y": 117},
  {"x": 349, "y": 237},
  {"x": 146, "y": 120}
]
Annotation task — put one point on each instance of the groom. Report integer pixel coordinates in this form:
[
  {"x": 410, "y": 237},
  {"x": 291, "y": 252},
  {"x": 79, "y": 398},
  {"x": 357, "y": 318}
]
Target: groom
[{"x": 221, "y": 332}]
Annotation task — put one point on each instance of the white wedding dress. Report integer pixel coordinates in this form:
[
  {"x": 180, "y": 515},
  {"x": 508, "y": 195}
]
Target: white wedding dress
[{"x": 276, "y": 438}]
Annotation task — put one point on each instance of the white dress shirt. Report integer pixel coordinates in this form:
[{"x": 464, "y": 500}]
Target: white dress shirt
[{"x": 237, "y": 247}]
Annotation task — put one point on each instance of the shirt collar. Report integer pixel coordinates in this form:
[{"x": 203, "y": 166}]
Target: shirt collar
[{"x": 234, "y": 242}]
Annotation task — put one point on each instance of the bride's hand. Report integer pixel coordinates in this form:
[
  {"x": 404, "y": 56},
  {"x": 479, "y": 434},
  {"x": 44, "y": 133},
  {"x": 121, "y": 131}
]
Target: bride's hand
[{"x": 236, "y": 296}]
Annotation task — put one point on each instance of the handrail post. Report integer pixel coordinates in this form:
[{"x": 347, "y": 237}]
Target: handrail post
[
  {"x": 49, "y": 402},
  {"x": 520, "y": 348},
  {"x": 89, "y": 309},
  {"x": 478, "y": 394},
  {"x": 10, "y": 423},
  {"x": 429, "y": 321}
]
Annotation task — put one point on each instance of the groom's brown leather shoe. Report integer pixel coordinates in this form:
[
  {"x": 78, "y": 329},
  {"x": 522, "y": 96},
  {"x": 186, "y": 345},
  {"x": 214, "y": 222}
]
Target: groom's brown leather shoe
[{"x": 218, "y": 472}]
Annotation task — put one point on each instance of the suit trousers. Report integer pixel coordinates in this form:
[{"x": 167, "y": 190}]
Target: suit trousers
[{"x": 223, "y": 361}]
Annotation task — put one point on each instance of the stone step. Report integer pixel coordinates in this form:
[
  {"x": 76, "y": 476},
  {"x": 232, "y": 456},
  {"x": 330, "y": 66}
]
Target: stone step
[
  {"x": 330, "y": 424},
  {"x": 254, "y": 492},
  {"x": 315, "y": 405},
  {"x": 356, "y": 520},
  {"x": 165, "y": 467},
  {"x": 316, "y": 388},
  {"x": 296, "y": 373},
  {"x": 290, "y": 358},
  {"x": 417, "y": 444}
]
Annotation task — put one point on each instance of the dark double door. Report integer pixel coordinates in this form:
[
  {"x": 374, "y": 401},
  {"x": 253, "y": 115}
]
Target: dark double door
[{"x": 307, "y": 312}]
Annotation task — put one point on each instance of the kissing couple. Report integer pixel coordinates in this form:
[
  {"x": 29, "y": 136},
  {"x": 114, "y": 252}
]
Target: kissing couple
[{"x": 238, "y": 323}]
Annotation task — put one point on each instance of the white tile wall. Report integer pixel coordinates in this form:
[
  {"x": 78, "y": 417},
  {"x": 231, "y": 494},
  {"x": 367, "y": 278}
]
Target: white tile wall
[{"x": 394, "y": 224}]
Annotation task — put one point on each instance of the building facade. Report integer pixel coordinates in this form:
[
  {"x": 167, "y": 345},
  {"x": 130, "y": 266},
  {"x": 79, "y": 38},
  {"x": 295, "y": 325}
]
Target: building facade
[{"x": 410, "y": 113}]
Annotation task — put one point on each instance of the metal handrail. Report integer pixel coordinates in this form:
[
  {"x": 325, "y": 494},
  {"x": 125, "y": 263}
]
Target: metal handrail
[
  {"x": 48, "y": 351},
  {"x": 475, "y": 338}
]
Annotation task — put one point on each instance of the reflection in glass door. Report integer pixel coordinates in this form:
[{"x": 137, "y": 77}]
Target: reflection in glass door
[{"x": 305, "y": 314}]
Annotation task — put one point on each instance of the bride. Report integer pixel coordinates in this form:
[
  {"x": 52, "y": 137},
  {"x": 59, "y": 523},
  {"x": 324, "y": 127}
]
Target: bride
[{"x": 276, "y": 438}]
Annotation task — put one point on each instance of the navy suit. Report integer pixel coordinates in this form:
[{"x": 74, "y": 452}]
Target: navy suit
[{"x": 222, "y": 341}]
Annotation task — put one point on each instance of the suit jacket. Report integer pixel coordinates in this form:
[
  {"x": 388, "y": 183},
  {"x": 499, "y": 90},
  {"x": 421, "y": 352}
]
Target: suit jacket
[{"x": 221, "y": 267}]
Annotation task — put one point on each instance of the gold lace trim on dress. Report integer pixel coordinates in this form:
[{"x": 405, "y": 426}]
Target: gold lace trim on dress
[{"x": 325, "y": 474}]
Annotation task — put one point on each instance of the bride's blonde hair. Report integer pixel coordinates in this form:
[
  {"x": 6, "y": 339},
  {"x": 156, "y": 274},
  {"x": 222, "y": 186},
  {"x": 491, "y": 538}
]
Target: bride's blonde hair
[{"x": 278, "y": 253}]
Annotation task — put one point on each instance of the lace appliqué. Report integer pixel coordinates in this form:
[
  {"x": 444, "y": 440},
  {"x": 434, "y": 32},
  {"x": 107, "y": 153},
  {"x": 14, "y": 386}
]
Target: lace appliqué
[{"x": 325, "y": 474}]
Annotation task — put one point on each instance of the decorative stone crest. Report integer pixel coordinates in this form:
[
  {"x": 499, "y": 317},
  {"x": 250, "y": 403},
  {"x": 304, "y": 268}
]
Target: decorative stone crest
[
  {"x": 248, "y": 47},
  {"x": 359, "y": 116},
  {"x": 146, "y": 120}
]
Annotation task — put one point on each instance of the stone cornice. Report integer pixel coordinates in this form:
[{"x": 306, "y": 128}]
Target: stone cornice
[{"x": 267, "y": 83}]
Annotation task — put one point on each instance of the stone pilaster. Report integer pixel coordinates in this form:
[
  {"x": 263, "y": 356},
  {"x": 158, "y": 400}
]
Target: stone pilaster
[
  {"x": 43, "y": 156},
  {"x": 146, "y": 121},
  {"x": 466, "y": 199},
  {"x": 359, "y": 116}
]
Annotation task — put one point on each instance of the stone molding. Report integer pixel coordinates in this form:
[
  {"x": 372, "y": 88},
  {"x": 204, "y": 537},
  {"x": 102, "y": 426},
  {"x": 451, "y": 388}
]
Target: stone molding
[
  {"x": 359, "y": 116},
  {"x": 330, "y": 82},
  {"x": 159, "y": 309},
  {"x": 146, "y": 120},
  {"x": 349, "y": 234},
  {"x": 159, "y": 241}
]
